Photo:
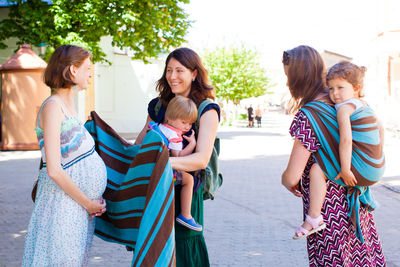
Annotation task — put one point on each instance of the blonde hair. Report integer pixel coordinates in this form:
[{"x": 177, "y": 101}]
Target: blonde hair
[{"x": 181, "y": 107}]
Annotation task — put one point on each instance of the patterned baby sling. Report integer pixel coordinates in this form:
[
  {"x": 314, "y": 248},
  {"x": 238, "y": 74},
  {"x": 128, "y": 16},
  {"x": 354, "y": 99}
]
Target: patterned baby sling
[
  {"x": 139, "y": 195},
  {"x": 367, "y": 162},
  {"x": 210, "y": 176}
]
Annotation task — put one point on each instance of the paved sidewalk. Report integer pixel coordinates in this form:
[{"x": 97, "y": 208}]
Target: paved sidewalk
[{"x": 251, "y": 220}]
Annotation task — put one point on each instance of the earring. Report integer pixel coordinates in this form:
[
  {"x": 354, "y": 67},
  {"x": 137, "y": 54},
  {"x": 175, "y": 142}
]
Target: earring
[{"x": 193, "y": 79}]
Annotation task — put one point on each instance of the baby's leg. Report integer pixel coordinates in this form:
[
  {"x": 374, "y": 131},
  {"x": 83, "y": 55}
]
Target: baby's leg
[
  {"x": 186, "y": 194},
  {"x": 317, "y": 190},
  {"x": 314, "y": 221}
]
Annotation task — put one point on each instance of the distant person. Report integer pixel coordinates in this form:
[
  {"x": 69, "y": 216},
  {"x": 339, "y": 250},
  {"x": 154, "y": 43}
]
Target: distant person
[
  {"x": 258, "y": 116},
  {"x": 181, "y": 113},
  {"x": 250, "y": 116},
  {"x": 338, "y": 244},
  {"x": 73, "y": 177}
]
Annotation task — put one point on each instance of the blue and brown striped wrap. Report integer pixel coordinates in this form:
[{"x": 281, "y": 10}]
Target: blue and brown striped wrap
[
  {"x": 139, "y": 195},
  {"x": 368, "y": 159}
]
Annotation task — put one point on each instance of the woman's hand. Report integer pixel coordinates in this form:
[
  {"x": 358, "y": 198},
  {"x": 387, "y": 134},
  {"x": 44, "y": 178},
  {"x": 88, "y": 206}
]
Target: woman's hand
[
  {"x": 296, "y": 190},
  {"x": 96, "y": 207},
  {"x": 191, "y": 138},
  {"x": 348, "y": 177},
  {"x": 297, "y": 162}
]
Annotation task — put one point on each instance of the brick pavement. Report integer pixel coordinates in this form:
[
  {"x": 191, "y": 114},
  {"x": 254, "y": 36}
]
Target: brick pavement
[{"x": 250, "y": 223}]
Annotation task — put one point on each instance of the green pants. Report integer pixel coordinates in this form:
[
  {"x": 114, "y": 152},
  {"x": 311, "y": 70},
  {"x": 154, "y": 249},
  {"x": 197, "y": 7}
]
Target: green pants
[{"x": 191, "y": 249}]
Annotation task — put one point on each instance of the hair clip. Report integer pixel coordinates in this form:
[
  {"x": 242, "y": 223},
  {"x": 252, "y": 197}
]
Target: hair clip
[{"x": 285, "y": 58}]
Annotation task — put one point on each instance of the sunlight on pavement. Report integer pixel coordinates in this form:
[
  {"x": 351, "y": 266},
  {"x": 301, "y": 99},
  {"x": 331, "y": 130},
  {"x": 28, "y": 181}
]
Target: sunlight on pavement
[
  {"x": 391, "y": 149},
  {"x": 253, "y": 253},
  {"x": 15, "y": 235},
  {"x": 18, "y": 155},
  {"x": 253, "y": 143},
  {"x": 393, "y": 183}
]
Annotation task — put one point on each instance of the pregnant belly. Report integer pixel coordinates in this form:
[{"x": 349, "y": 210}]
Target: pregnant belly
[{"x": 91, "y": 176}]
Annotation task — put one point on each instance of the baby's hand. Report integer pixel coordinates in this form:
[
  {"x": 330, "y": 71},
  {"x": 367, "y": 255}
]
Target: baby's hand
[
  {"x": 348, "y": 178},
  {"x": 191, "y": 138}
]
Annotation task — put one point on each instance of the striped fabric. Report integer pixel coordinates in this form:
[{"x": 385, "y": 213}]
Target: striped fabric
[
  {"x": 368, "y": 160},
  {"x": 139, "y": 195},
  {"x": 337, "y": 244}
]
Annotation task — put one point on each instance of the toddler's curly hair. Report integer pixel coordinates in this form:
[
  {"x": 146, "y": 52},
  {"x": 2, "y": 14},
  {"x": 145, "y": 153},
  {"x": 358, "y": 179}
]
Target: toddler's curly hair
[{"x": 350, "y": 72}]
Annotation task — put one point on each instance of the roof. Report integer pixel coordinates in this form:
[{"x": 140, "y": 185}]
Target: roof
[
  {"x": 24, "y": 59},
  {"x": 337, "y": 55}
]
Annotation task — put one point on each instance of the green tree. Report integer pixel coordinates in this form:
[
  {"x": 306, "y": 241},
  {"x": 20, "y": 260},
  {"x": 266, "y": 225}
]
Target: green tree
[
  {"x": 236, "y": 73},
  {"x": 147, "y": 27}
]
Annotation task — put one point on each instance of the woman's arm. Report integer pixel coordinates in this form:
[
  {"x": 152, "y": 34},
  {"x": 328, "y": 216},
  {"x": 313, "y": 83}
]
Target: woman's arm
[
  {"x": 205, "y": 143},
  {"x": 52, "y": 118},
  {"x": 295, "y": 168},
  {"x": 140, "y": 137},
  {"x": 346, "y": 144}
]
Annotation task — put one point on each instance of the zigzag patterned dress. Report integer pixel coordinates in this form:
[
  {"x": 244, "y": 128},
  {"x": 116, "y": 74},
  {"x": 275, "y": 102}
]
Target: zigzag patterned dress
[{"x": 337, "y": 245}]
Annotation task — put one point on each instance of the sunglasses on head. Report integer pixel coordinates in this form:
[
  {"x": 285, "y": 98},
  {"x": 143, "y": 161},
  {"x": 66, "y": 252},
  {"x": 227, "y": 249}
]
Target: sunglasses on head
[{"x": 286, "y": 58}]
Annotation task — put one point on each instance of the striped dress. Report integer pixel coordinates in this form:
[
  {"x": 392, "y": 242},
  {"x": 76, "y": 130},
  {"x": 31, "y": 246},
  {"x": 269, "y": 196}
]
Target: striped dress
[{"x": 337, "y": 245}]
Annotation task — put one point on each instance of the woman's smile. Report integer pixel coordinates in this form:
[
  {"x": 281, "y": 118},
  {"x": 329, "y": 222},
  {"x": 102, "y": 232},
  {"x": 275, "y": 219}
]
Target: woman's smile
[{"x": 179, "y": 77}]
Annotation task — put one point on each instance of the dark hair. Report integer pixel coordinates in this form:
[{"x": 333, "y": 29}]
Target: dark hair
[
  {"x": 57, "y": 73},
  {"x": 305, "y": 71},
  {"x": 200, "y": 89},
  {"x": 350, "y": 72}
]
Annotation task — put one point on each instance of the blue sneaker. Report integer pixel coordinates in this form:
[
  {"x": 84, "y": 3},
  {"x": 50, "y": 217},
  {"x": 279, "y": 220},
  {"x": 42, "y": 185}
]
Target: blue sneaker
[{"x": 189, "y": 223}]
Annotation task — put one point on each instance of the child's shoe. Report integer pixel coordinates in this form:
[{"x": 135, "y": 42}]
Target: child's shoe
[
  {"x": 317, "y": 225},
  {"x": 189, "y": 223}
]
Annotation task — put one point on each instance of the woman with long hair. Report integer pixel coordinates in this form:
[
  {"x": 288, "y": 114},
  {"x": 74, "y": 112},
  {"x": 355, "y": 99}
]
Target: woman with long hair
[
  {"x": 338, "y": 244},
  {"x": 185, "y": 75}
]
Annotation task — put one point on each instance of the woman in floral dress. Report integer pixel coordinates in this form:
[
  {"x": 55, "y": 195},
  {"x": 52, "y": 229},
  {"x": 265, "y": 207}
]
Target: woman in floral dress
[{"x": 73, "y": 177}]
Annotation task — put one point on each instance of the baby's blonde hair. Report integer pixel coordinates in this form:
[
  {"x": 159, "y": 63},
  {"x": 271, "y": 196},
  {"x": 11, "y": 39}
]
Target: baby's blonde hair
[{"x": 181, "y": 107}]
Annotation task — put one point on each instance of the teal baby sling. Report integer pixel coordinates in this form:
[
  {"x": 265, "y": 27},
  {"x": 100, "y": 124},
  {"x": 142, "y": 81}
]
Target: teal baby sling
[
  {"x": 139, "y": 195},
  {"x": 367, "y": 162}
]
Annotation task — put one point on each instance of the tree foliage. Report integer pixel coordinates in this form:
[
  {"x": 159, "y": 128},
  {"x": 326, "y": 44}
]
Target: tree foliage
[
  {"x": 236, "y": 73},
  {"x": 147, "y": 27}
]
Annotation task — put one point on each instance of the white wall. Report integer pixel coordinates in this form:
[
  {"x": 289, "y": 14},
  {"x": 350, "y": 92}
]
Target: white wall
[{"x": 123, "y": 90}]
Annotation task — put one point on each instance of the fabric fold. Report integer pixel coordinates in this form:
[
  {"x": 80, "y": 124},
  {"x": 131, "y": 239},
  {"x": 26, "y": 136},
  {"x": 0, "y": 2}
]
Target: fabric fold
[
  {"x": 368, "y": 160},
  {"x": 139, "y": 195}
]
